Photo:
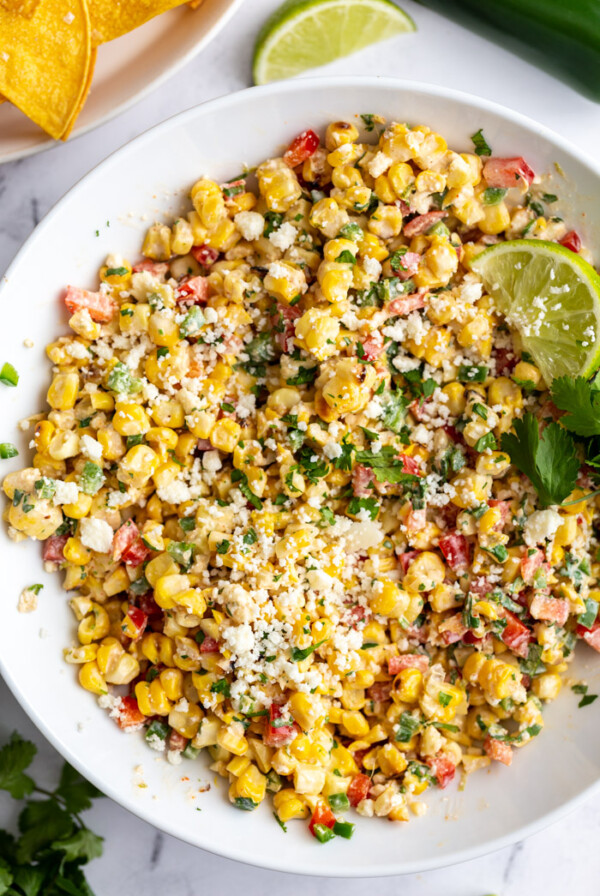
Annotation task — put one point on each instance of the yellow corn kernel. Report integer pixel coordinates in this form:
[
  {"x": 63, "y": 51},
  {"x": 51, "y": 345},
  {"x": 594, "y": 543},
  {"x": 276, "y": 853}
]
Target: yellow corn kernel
[
  {"x": 230, "y": 739},
  {"x": 44, "y": 431},
  {"x": 152, "y": 699},
  {"x": 386, "y": 222},
  {"x": 504, "y": 392},
  {"x": 84, "y": 326},
  {"x": 496, "y": 218},
  {"x": 157, "y": 243},
  {"x": 547, "y": 686},
  {"x": 130, "y": 419},
  {"x": 86, "y": 653},
  {"x": 161, "y": 566},
  {"x": 157, "y": 647},
  {"x": 91, "y": 679},
  {"x": 288, "y": 805},
  {"x": 457, "y": 401},
  {"x": 372, "y": 247},
  {"x": 251, "y": 785},
  {"x": 278, "y": 184},
  {"x": 343, "y": 761},
  {"x": 327, "y": 216},
  {"x": 238, "y": 765},
  {"x": 172, "y": 682},
  {"x": 79, "y": 508},
  {"x": 225, "y": 434},
  {"x": 318, "y": 332},
  {"x": 116, "y": 582},
  {"x": 384, "y": 190},
  {"x": 186, "y": 723},
  {"x": 408, "y": 685},
  {"x": 63, "y": 445},
  {"x": 168, "y": 414},
  {"x": 208, "y": 201},
  {"x": 389, "y": 599},
  {"x": 134, "y": 318},
  {"x": 63, "y": 390},
  {"x": 138, "y": 466},
  {"x": 439, "y": 263},
  {"x": 391, "y": 761},
  {"x": 425, "y": 572},
  {"x": 354, "y": 723},
  {"x": 168, "y": 588},
  {"x": 471, "y": 489},
  {"x": 566, "y": 532},
  {"x": 75, "y": 552},
  {"x": 400, "y": 176},
  {"x": 182, "y": 237},
  {"x": 163, "y": 329},
  {"x": 338, "y": 133},
  {"x": 94, "y": 626},
  {"x": 102, "y": 401},
  {"x": 113, "y": 445}
]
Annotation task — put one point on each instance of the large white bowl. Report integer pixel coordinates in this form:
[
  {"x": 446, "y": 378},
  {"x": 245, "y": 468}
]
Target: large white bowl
[{"x": 139, "y": 183}]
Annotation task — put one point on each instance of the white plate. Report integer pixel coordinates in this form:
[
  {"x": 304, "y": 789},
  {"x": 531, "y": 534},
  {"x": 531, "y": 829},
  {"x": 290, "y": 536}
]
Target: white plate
[
  {"x": 146, "y": 179},
  {"x": 126, "y": 70}
]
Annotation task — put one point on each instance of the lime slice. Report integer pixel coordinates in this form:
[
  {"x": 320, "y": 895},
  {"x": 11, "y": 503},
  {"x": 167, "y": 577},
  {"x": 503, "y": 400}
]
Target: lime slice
[
  {"x": 552, "y": 297},
  {"x": 303, "y": 34}
]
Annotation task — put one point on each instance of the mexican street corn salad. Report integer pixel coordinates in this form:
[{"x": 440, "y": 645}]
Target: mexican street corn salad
[{"x": 283, "y": 475}]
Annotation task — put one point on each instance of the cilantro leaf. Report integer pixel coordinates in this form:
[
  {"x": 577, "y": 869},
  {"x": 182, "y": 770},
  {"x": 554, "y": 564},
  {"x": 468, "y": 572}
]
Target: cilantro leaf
[
  {"x": 83, "y": 844},
  {"x": 40, "y": 824},
  {"x": 582, "y": 402},
  {"x": 549, "y": 460},
  {"x": 76, "y": 792},
  {"x": 386, "y": 465},
  {"x": 15, "y": 757}
]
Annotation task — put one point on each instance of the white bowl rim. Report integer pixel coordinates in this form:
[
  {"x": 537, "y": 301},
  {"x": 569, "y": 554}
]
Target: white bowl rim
[
  {"x": 152, "y": 85},
  {"x": 126, "y": 801}
]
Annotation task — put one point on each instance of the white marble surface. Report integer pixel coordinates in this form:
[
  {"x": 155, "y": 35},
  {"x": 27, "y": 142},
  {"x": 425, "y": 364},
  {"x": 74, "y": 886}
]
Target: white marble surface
[{"x": 562, "y": 858}]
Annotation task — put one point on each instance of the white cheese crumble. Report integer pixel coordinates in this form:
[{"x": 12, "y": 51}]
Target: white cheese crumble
[
  {"x": 66, "y": 492},
  {"x": 541, "y": 525},
  {"x": 250, "y": 225},
  {"x": 27, "y": 601},
  {"x": 96, "y": 534},
  {"x": 91, "y": 448},
  {"x": 176, "y": 492},
  {"x": 211, "y": 461},
  {"x": 284, "y": 237}
]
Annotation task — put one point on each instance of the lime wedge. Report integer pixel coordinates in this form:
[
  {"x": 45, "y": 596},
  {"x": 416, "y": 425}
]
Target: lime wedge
[
  {"x": 551, "y": 296},
  {"x": 303, "y": 34}
]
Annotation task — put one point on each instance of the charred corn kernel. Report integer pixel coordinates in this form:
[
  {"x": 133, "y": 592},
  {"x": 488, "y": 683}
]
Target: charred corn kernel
[
  {"x": 338, "y": 133},
  {"x": 498, "y": 678},
  {"x": 130, "y": 419},
  {"x": 157, "y": 243},
  {"x": 408, "y": 685},
  {"x": 389, "y": 600},
  {"x": 91, "y": 679},
  {"x": 75, "y": 552}
]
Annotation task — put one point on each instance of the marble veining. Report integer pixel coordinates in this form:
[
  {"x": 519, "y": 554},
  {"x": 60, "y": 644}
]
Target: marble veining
[{"x": 563, "y": 858}]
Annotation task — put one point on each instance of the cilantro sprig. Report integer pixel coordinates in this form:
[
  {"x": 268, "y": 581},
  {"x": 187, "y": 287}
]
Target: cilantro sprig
[
  {"x": 53, "y": 843},
  {"x": 548, "y": 459},
  {"x": 581, "y": 400}
]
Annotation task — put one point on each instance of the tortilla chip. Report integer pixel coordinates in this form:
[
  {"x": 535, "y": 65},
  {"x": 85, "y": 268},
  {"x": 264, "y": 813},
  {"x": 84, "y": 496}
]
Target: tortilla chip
[
  {"x": 45, "y": 62},
  {"x": 113, "y": 18},
  {"x": 83, "y": 98},
  {"x": 20, "y": 7}
]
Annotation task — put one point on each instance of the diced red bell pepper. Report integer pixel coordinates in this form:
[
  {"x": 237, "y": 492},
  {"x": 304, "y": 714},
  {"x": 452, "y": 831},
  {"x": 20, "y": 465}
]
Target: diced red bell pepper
[
  {"x": 418, "y": 661},
  {"x": 507, "y": 173},
  {"x": 125, "y": 535},
  {"x": 353, "y": 615},
  {"x": 372, "y": 346},
  {"x": 301, "y": 148},
  {"x": 362, "y": 477},
  {"x": 100, "y": 305},
  {"x": 405, "y": 304},
  {"x": 147, "y": 603},
  {"x": 194, "y": 291},
  {"x": 407, "y": 265},
  {"x": 550, "y": 609},
  {"x": 422, "y": 223},
  {"x": 505, "y": 508},
  {"x": 209, "y": 645},
  {"x": 530, "y": 564},
  {"x": 407, "y": 558},
  {"x": 284, "y": 326},
  {"x": 129, "y": 717},
  {"x": 321, "y": 815},
  {"x": 571, "y": 240},
  {"x": 358, "y": 789},
  {"x": 380, "y": 691},
  {"x": 204, "y": 255},
  {"x": 277, "y": 735},
  {"x": 410, "y": 465},
  {"x": 456, "y": 551},
  {"x": 516, "y": 635},
  {"x": 498, "y": 750},
  {"x": 416, "y": 520},
  {"x": 177, "y": 742},
  {"x": 591, "y": 635},
  {"x": 157, "y": 268},
  {"x": 453, "y": 629},
  {"x": 52, "y": 551},
  {"x": 138, "y": 620},
  {"x": 136, "y": 553},
  {"x": 505, "y": 361},
  {"x": 443, "y": 769}
]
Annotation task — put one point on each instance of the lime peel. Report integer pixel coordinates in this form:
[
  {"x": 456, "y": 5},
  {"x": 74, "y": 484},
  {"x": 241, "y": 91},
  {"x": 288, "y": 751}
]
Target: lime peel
[
  {"x": 551, "y": 296},
  {"x": 304, "y": 34}
]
